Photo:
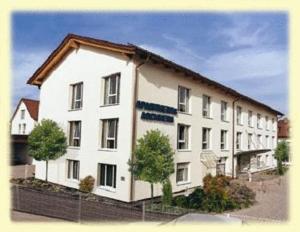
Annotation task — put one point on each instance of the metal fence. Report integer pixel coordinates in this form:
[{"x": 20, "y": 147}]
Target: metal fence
[{"x": 74, "y": 207}]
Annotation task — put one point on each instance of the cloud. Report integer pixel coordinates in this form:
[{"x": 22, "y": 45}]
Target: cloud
[
  {"x": 24, "y": 65},
  {"x": 246, "y": 64},
  {"x": 244, "y": 33}
]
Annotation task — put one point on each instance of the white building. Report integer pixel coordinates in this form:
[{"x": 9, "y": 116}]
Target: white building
[
  {"x": 25, "y": 117},
  {"x": 105, "y": 96}
]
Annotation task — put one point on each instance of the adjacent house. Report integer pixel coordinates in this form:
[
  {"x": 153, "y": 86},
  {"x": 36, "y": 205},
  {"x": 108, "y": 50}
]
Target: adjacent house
[
  {"x": 107, "y": 95},
  {"x": 22, "y": 122},
  {"x": 284, "y": 131}
]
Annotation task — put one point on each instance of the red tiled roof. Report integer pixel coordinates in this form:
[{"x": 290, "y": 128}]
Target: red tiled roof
[
  {"x": 32, "y": 107},
  {"x": 283, "y": 128}
]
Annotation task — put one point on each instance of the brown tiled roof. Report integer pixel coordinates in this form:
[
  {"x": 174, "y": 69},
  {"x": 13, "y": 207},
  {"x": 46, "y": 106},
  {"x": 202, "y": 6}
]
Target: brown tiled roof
[
  {"x": 283, "y": 128},
  {"x": 32, "y": 107},
  {"x": 72, "y": 41}
]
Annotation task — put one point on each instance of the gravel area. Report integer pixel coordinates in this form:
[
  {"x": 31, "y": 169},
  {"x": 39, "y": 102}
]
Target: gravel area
[{"x": 272, "y": 200}]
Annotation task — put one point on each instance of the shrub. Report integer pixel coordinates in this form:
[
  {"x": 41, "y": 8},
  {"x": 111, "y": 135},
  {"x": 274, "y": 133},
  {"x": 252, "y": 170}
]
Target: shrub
[
  {"x": 181, "y": 201},
  {"x": 87, "y": 184},
  {"x": 167, "y": 193},
  {"x": 196, "y": 198}
]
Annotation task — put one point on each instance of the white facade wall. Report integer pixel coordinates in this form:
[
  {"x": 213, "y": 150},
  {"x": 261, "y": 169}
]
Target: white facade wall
[
  {"x": 89, "y": 66},
  {"x": 155, "y": 85},
  {"x": 17, "y": 123}
]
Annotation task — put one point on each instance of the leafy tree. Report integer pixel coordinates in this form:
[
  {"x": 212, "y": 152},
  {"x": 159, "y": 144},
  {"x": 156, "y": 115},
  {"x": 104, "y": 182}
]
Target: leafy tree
[
  {"x": 47, "y": 141},
  {"x": 281, "y": 154},
  {"x": 153, "y": 159}
]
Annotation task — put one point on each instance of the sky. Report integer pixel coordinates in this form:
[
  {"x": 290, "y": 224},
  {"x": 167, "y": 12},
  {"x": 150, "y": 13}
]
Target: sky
[{"x": 245, "y": 51}]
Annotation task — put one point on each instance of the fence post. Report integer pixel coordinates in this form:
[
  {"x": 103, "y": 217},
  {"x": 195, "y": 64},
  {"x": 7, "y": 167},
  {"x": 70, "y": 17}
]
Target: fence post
[
  {"x": 143, "y": 211},
  {"x": 79, "y": 207}
]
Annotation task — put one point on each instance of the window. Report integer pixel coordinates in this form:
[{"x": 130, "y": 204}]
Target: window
[
  {"x": 75, "y": 133},
  {"x": 183, "y": 137},
  {"x": 273, "y": 142},
  {"x": 223, "y": 139},
  {"x": 112, "y": 89},
  {"x": 267, "y": 142},
  {"x": 206, "y": 106},
  {"x": 205, "y": 138},
  {"x": 258, "y": 121},
  {"x": 249, "y": 141},
  {"x": 239, "y": 115},
  {"x": 183, "y": 99},
  {"x": 259, "y": 142},
  {"x": 76, "y": 96},
  {"x": 238, "y": 140},
  {"x": 223, "y": 111},
  {"x": 250, "y": 122},
  {"x": 273, "y": 124},
  {"x": 107, "y": 174},
  {"x": 267, "y": 122},
  {"x": 20, "y": 128},
  {"x": 24, "y": 128},
  {"x": 258, "y": 161},
  {"x": 22, "y": 114},
  {"x": 109, "y": 133},
  {"x": 221, "y": 166},
  {"x": 73, "y": 169},
  {"x": 182, "y": 172}
]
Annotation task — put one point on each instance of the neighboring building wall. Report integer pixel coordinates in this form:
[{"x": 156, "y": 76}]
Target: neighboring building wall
[
  {"x": 17, "y": 123},
  {"x": 88, "y": 65},
  {"x": 160, "y": 86}
]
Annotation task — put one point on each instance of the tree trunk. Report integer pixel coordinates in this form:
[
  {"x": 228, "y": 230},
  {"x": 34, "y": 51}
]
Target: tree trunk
[
  {"x": 46, "y": 170},
  {"x": 151, "y": 201}
]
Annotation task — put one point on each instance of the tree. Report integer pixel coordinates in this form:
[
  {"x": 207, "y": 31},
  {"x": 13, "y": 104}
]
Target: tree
[
  {"x": 47, "y": 141},
  {"x": 152, "y": 159},
  {"x": 281, "y": 154},
  {"x": 167, "y": 193}
]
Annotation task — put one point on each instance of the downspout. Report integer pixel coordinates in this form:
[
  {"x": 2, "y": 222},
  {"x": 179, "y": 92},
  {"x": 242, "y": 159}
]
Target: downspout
[
  {"x": 134, "y": 115},
  {"x": 233, "y": 135}
]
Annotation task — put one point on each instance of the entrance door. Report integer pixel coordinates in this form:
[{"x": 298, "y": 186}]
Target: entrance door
[{"x": 244, "y": 163}]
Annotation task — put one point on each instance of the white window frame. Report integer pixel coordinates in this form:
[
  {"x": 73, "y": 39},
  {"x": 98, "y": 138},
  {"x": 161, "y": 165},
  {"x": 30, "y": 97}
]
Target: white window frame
[
  {"x": 250, "y": 118},
  {"x": 221, "y": 163},
  {"x": 71, "y": 169},
  {"x": 74, "y": 101},
  {"x": 259, "y": 141},
  {"x": 249, "y": 145},
  {"x": 206, "y": 106},
  {"x": 73, "y": 130},
  {"x": 114, "y": 176},
  {"x": 259, "y": 121},
  {"x": 186, "y": 139},
  {"x": 20, "y": 128},
  {"x": 107, "y": 95},
  {"x": 267, "y": 122},
  {"x": 22, "y": 114},
  {"x": 238, "y": 140},
  {"x": 273, "y": 124},
  {"x": 224, "y": 106},
  {"x": 105, "y": 139},
  {"x": 24, "y": 128},
  {"x": 206, "y": 141},
  {"x": 239, "y": 115},
  {"x": 223, "y": 143},
  {"x": 185, "y": 166},
  {"x": 186, "y": 101}
]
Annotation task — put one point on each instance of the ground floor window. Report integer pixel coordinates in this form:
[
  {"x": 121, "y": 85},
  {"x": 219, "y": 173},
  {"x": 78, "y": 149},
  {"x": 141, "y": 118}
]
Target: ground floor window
[
  {"x": 182, "y": 172},
  {"x": 107, "y": 175},
  {"x": 221, "y": 166},
  {"x": 73, "y": 169}
]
